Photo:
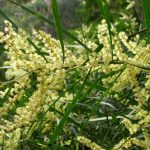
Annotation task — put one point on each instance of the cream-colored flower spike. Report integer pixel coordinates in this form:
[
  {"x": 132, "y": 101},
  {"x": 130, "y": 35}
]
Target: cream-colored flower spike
[
  {"x": 49, "y": 74},
  {"x": 87, "y": 142}
]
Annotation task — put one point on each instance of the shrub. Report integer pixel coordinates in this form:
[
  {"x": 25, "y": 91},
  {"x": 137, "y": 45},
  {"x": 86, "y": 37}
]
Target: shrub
[{"x": 97, "y": 99}]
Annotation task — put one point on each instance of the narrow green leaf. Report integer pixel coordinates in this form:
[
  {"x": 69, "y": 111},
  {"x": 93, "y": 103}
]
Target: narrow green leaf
[
  {"x": 37, "y": 144},
  {"x": 56, "y": 16},
  {"x": 105, "y": 76},
  {"x": 38, "y": 50},
  {"x": 99, "y": 48},
  {"x": 60, "y": 113},
  {"x": 146, "y": 9},
  {"x": 96, "y": 105},
  {"x": 7, "y": 18},
  {"x": 38, "y": 15},
  {"x": 104, "y": 10},
  {"x": 68, "y": 111},
  {"x": 138, "y": 66}
]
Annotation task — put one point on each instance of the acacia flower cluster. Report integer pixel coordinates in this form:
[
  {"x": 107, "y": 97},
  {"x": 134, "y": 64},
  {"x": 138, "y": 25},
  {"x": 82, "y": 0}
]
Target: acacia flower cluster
[
  {"x": 89, "y": 143},
  {"x": 38, "y": 77},
  {"x": 135, "y": 55}
]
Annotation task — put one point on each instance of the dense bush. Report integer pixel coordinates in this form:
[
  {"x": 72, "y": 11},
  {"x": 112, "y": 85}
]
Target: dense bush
[{"x": 91, "y": 96}]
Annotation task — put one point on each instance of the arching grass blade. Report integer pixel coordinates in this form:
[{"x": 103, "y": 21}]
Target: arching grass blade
[
  {"x": 146, "y": 9},
  {"x": 51, "y": 23},
  {"x": 56, "y": 16},
  {"x": 104, "y": 10},
  {"x": 7, "y": 18}
]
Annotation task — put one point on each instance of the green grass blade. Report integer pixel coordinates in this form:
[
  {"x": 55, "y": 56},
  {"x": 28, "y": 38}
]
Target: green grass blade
[
  {"x": 104, "y": 10},
  {"x": 38, "y": 50},
  {"x": 99, "y": 48},
  {"x": 138, "y": 66},
  {"x": 56, "y": 16},
  {"x": 60, "y": 113},
  {"x": 37, "y": 144},
  {"x": 146, "y": 9},
  {"x": 96, "y": 105},
  {"x": 7, "y": 18},
  {"x": 68, "y": 111},
  {"x": 105, "y": 76},
  {"x": 38, "y": 15}
]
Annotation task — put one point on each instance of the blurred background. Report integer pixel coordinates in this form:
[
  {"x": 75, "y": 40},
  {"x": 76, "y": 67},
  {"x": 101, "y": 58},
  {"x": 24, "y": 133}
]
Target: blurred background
[{"x": 73, "y": 12}]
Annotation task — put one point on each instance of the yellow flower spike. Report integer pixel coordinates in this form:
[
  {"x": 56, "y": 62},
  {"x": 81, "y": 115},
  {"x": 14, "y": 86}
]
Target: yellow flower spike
[
  {"x": 87, "y": 142},
  {"x": 133, "y": 128},
  {"x": 51, "y": 79}
]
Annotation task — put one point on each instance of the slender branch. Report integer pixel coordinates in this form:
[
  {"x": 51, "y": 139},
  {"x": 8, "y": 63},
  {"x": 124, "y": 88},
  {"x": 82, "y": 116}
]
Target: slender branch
[{"x": 138, "y": 32}]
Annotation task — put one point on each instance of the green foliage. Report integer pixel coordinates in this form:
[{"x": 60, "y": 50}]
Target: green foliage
[
  {"x": 146, "y": 7},
  {"x": 96, "y": 98},
  {"x": 58, "y": 25}
]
